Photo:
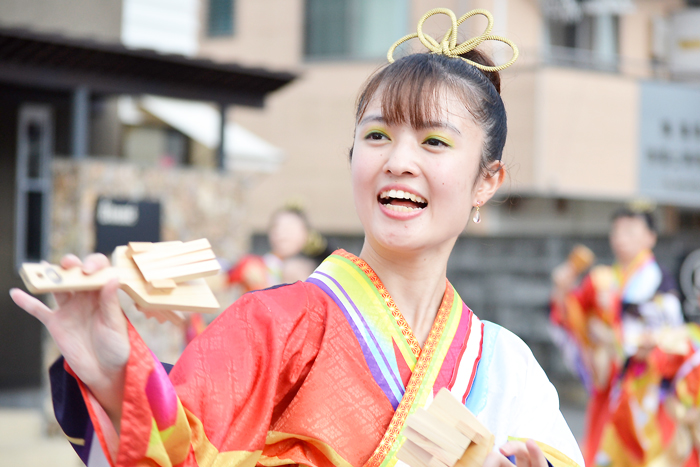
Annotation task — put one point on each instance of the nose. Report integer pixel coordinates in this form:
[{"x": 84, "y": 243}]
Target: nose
[{"x": 402, "y": 159}]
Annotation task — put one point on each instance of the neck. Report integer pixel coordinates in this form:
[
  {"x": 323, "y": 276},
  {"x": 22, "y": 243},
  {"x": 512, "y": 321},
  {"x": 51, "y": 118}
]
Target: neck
[
  {"x": 633, "y": 262},
  {"x": 416, "y": 282}
]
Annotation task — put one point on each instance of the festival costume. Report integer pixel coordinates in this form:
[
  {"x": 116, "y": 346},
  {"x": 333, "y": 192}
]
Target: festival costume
[
  {"x": 320, "y": 373},
  {"x": 604, "y": 321},
  {"x": 255, "y": 272}
]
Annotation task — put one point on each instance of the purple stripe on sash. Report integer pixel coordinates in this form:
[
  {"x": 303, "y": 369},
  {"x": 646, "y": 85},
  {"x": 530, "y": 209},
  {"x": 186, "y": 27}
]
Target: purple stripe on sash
[
  {"x": 398, "y": 381},
  {"x": 377, "y": 373}
]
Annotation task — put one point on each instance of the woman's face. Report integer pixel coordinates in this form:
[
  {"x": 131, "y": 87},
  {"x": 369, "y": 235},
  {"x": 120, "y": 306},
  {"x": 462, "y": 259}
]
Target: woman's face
[
  {"x": 414, "y": 189},
  {"x": 288, "y": 235},
  {"x": 630, "y": 236}
]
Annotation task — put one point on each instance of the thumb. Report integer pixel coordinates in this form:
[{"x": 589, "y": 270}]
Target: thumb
[{"x": 109, "y": 303}]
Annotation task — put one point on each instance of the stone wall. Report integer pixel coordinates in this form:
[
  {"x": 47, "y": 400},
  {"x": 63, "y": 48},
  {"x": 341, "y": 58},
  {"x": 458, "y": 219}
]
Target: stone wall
[{"x": 195, "y": 203}]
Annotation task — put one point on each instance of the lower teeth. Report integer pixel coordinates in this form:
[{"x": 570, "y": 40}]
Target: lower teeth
[{"x": 401, "y": 208}]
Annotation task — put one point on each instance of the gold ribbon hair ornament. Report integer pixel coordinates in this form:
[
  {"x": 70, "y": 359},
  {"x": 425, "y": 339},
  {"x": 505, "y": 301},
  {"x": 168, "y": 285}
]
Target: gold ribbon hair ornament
[{"x": 449, "y": 47}]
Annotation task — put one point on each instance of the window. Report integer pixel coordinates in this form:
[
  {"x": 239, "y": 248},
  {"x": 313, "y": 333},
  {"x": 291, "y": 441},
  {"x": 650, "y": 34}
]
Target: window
[
  {"x": 360, "y": 29},
  {"x": 221, "y": 18},
  {"x": 34, "y": 148},
  {"x": 590, "y": 42},
  {"x": 582, "y": 34}
]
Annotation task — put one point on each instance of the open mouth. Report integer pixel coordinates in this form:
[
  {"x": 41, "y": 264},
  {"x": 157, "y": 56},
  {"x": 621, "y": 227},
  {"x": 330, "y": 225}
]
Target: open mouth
[{"x": 401, "y": 201}]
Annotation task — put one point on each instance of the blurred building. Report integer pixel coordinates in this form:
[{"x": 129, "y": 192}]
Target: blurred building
[{"x": 110, "y": 125}]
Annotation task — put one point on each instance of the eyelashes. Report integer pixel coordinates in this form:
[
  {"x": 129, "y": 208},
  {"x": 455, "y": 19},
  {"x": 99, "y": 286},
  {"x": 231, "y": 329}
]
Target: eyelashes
[
  {"x": 438, "y": 141},
  {"x": 376, "y": 135}
]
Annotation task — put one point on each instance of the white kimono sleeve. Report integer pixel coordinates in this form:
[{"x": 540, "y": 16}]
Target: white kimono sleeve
[{"x": 514, "y": 398}]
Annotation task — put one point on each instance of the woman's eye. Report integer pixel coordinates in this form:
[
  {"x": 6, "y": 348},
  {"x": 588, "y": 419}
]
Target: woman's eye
[
  {"x": 375, "y": 135},
  {"x": 435, "y": 142}
]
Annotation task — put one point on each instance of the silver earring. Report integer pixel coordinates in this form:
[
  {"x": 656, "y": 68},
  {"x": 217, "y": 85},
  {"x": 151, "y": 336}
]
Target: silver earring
[{"x": 477, "y": 215}]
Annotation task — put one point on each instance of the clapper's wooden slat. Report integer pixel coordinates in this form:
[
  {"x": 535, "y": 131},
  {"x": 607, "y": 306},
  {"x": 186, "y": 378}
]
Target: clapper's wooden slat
[
  {"x": 176, "y": 260},
  {"x": 180, "y": 266},
  {"x": 439, "y": 432},
  {"x": 191, "y": 293},
  {"x": 184, "y": 273},
  {"x": 41, "y": 278},
  {"x": 413, "y": 455},
  {"x": 165, "y": 251},
  {"x": 445, "y": 434}
]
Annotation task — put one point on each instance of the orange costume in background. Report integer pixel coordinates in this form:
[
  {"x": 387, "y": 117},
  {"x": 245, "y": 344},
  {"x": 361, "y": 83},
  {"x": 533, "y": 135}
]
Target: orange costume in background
[
  {"x": 625, "y": 332},
  {"x": 255, "y": 272}
]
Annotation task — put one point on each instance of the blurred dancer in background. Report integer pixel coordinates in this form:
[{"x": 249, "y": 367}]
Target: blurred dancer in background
[
  {"x": 288, "y": 234},
  {"x": 295, "y": 251},
  {"x": 619, "y": 320}
]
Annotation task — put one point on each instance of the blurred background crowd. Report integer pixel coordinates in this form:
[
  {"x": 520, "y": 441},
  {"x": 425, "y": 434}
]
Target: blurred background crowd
[{"x": 156, "y": 120}]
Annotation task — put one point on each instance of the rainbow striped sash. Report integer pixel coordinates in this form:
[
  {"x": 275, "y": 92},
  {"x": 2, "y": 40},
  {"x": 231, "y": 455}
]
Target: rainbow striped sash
[{"x": 449, "y": 358}]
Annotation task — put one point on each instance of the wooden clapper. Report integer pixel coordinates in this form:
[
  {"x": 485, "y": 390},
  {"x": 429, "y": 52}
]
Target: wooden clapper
[
  {"x": 162, "y": 277},
  {"x": 445, "y": 434}
]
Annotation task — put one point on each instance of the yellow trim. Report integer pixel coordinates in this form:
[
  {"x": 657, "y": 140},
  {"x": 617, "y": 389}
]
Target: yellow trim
[
  {"x": 207, "y": 454},
  {"x": 274, "y": 461},
  {"x": 415, "y": 383},
  {"x": 76, "y": 441},
  {"x": 277, "y": 436},
  {"x": 156, "y": 450},
  {"x": 400, "y": 320},
  {"x": 554, "y": 456}
]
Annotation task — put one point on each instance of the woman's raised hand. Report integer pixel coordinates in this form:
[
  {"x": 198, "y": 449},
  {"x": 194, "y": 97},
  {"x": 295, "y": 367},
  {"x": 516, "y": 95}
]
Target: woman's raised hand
[
  {"x": 526, "y": 454},
  {"x": 91, "y": 332}
]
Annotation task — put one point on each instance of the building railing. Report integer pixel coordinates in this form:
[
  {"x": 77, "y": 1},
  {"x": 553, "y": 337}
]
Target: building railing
[{"x": 585, "y": 59}]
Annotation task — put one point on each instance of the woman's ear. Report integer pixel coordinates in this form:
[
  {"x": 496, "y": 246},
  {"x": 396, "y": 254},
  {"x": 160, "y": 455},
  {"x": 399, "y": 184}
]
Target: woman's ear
[{"x": 489, "y": 182}]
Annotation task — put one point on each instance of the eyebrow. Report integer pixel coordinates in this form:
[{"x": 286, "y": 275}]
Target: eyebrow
[{"x": 426, "y": 125}]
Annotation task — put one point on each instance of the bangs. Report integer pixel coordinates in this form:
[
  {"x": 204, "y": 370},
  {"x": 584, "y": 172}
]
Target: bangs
[
  {"x": 410, "y": 92},
  {"x": 415, "y": 89}
]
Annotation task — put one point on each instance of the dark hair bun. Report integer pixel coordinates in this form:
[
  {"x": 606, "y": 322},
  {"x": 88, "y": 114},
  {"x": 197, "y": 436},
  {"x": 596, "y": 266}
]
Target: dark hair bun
[{"x": 481, "y": 58}]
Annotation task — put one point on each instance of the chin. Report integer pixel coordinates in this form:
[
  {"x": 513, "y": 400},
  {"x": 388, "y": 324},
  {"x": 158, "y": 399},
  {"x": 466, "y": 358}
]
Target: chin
[{"x": 402, "y": 243}]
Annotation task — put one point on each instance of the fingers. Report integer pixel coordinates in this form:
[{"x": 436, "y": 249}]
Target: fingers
[
  {"x": 161, "y": 315},
  {"x": 70, "y": 261},
  {"x": 67, "y": 262},
  {"x": 31, "y": 305},
  {"x": 95, "y": 262},
  {"x": 92, "y": 263},
  {"x": 495, "y": 459},
  {"x": 537, "y": 458},
  {"x": 526, "y": 454}
]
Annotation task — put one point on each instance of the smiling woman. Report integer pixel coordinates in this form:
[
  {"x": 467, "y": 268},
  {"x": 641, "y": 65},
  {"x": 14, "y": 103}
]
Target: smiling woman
[{"x": 325, "y": 372}]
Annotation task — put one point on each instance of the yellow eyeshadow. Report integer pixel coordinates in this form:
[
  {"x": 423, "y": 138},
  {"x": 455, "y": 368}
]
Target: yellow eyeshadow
[
  {"x": 445, "y": 140},
  {"x": 376, "y": 130}
]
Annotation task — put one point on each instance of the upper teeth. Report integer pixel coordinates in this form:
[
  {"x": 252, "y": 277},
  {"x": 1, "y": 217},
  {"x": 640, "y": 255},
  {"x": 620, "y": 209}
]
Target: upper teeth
[{"x": 400, "y": 194}]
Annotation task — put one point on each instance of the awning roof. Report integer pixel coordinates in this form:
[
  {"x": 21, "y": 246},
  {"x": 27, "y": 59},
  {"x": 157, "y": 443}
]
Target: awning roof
[
  {"x": 57, "y": 62},
  {"x": 243, "y": 150}
]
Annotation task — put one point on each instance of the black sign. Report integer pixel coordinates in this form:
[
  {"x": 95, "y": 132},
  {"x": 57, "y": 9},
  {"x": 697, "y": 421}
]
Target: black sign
[{"x": 118, "y": 222}]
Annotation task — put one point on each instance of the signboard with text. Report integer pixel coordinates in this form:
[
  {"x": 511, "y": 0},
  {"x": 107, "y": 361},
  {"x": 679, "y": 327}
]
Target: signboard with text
[
  {"x": 669, "y": 143},
  {"x": 118, "y": 222}
]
